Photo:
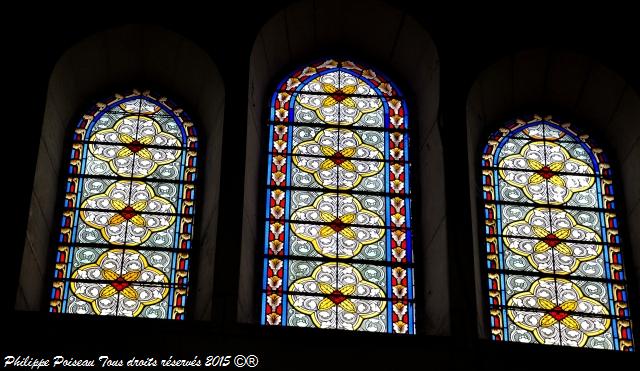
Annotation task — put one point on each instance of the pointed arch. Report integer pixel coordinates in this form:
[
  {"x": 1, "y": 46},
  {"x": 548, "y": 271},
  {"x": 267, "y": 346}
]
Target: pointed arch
[
  {"x": 125, "y": 235},
  {"x": 403, "y": 49},
  {"x": 553, "y": 252},
  {"x": 338, "y": 237},
  {"x": 94, "y": 67}
]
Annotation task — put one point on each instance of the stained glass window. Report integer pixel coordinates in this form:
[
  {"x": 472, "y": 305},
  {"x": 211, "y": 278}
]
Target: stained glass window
[
  {"x": 554, "y": 261},
  {"x": 124, "y": 244},
  {"x": 337, "y": 230}
]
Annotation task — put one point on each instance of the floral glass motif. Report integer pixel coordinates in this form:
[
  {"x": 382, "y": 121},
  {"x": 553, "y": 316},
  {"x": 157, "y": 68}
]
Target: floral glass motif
[
  {"x": 337, "y": 159},
  {"x": 124, "y": 292},
  {"x": 348, "y": 228},
  {"x": 341, "y": 296},
  {"x": 127, "y": 213},
  {"x": 127, "y": 222},
  {"x": 554, "y": 261},
  {"x": 337, "y": 231}
]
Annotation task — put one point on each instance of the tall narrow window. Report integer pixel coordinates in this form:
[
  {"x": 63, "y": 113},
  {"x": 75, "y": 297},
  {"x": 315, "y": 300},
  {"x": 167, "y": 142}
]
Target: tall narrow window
[
  {"x": 127, "y": 215},
  {"x": 555, "y": 272},
  {"x": 337, "y": 231}
]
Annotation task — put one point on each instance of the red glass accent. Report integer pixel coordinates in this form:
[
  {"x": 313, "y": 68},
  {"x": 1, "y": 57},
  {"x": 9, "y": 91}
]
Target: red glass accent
[
  {"x": 558, "y": 313},
  {"x": 339, "y": 95},
  {"x": 337, "y": 297},
  {"x": 337, "y": 158},
  {"x": 120, "y": 284},
  {"x": 546, "y": 172},
  {"x": 337, "y": 225},
  {"x": 551, "y": 240},
  {"x": 128, "y": 212},
  {"x": 134, "y": 146}
]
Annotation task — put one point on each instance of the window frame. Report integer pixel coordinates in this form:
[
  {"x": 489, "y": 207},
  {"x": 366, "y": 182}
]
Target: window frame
[
  {"x": 588, "y": 137},
  {"x": 417, "y": 265},
  {"x": 91, "y": 107}
]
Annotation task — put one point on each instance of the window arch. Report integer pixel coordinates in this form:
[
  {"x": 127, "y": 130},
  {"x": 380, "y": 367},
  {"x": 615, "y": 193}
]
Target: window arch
[
  {"x": 554, "y": 264},
  {"x": 338, "y": 222},
  {"x": 127, "y": 214}
]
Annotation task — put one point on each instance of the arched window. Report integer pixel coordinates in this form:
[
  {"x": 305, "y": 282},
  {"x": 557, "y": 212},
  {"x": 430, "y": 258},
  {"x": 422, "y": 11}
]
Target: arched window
[
  {"x": 337, "y": 233},
  {"x": 127, "y": 214},
  {"x": 554, "y": 264}
]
